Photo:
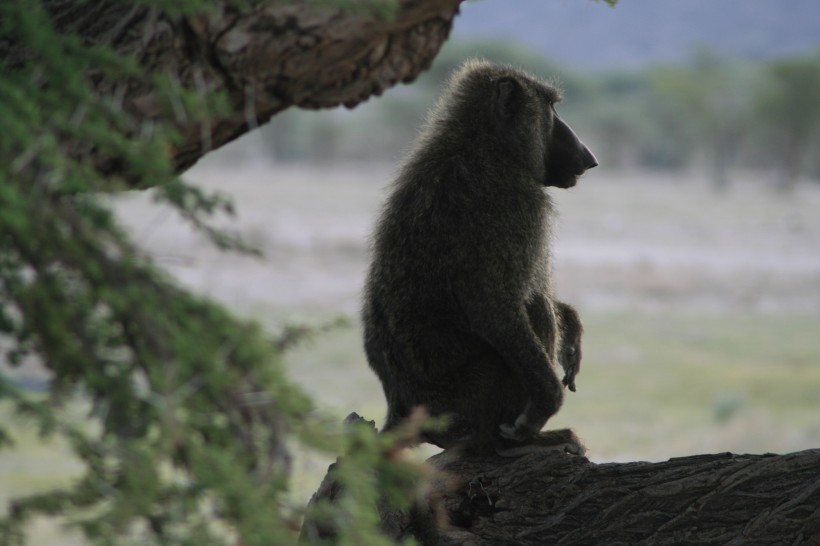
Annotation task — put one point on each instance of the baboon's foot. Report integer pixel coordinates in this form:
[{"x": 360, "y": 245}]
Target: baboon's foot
[{"x": 562, "y": 441}]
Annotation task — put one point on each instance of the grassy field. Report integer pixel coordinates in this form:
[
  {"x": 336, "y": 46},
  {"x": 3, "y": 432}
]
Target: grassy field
[{"x": 702, "y": 310}]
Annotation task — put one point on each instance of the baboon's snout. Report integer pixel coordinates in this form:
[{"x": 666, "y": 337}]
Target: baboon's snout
[{"x": 588, "y": 159}]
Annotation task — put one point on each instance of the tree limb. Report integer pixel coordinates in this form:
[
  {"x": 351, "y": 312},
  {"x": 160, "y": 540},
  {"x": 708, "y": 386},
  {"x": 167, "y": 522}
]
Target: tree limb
[
  {"x": 266, "y": 58},
  {"x": 554, "y": 498}
]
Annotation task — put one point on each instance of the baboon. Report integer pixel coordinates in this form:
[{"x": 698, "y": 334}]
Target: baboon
[{"x": 459, "y": 314}]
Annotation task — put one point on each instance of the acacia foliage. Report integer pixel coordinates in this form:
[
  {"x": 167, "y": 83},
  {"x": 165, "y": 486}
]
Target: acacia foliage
[{"x": 178, "y": 411}]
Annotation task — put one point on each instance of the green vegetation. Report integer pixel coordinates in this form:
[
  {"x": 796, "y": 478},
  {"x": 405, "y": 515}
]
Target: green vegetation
[
  {"x": 176, "y": 412},
  {"x": 651, "y": 388}
]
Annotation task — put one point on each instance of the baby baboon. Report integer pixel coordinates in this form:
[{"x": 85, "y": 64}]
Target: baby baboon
[{"x": 459, "y": 314}]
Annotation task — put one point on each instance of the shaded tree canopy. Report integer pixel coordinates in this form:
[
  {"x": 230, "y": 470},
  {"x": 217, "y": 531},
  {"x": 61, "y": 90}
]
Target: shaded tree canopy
[{"x": 240, "y": 66}]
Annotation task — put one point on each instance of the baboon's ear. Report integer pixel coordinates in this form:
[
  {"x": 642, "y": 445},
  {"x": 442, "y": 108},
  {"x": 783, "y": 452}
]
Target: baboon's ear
[{"x": 507, "y": 98}]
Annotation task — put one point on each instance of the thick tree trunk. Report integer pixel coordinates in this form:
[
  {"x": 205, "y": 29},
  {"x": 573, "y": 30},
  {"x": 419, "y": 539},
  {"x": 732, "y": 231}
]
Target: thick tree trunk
[
  {"x": 265, "y": 58},
  {"x": 700, "y": 499},
  {"x": 555, "y": 498}
]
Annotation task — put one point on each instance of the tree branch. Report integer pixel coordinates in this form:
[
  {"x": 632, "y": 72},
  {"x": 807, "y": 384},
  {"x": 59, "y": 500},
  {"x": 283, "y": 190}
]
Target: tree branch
[
  {"x": 266, "y": 58},
  {"x": 554, "y": 498}
]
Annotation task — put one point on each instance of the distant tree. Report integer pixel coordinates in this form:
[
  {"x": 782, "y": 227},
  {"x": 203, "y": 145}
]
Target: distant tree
[
  {"x": 612, "y": 107},
  {"x": 788, "y": 112},
  {"x": 710, "y": 103}
]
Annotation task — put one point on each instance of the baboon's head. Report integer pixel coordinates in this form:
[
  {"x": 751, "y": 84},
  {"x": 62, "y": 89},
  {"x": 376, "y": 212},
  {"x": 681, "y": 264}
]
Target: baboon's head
[{"x": 505, "y": 111}]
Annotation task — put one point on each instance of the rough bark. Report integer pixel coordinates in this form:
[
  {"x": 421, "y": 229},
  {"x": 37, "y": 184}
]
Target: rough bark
[
  {"x": 554, "y": 498},
  {"x": 266, "y": 58},
  {"x": 700, "y": 499}
]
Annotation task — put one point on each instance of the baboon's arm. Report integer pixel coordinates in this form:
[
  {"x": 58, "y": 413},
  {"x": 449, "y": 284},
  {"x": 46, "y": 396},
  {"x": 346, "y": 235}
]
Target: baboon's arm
[{"x": 507, "y": 328}]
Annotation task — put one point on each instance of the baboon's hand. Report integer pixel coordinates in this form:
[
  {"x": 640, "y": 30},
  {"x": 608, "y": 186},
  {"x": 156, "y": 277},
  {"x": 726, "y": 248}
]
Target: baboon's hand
[{"x": 571, "y": 362}]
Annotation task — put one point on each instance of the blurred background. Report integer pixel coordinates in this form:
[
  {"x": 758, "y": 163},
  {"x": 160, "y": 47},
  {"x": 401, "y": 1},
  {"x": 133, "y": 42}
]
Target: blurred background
[{"x": 692, "y": 252}]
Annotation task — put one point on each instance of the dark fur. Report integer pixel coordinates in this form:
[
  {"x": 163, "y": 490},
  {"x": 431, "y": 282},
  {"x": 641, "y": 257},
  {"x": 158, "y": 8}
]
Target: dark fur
[{"x": 459, "y": 314}]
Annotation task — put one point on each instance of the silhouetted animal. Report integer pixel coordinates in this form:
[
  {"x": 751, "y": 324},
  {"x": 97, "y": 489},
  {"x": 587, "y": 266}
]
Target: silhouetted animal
[{"x": 459, "y": 314}]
